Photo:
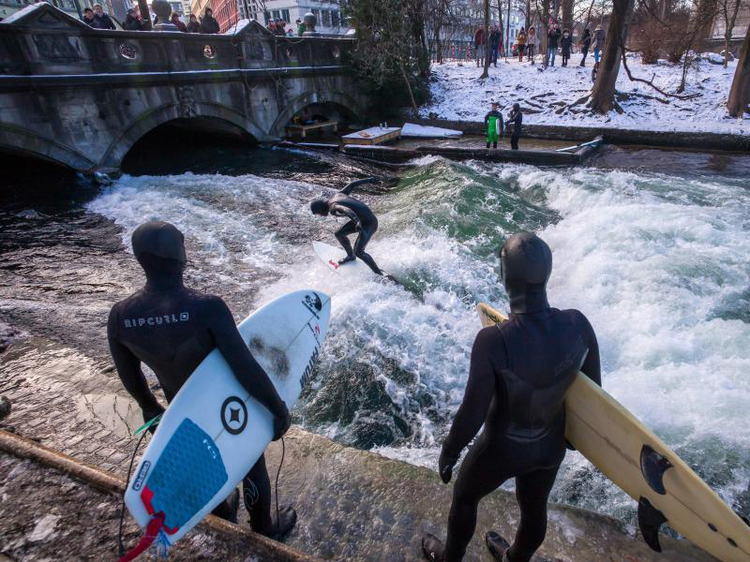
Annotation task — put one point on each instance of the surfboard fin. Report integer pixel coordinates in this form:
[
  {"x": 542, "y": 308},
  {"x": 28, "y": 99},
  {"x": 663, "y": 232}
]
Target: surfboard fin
[
  {"x": 653, "y": 467},
  {"x": 650, "y": 521}
]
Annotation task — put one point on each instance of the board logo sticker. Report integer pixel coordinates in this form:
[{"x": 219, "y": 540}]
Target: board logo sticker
[
  {"x": 334, "y": 265},
  {"x": 141, "y": 476},
  {"x": 313, "y": 303},
  {"x": 234, "y": 415}
]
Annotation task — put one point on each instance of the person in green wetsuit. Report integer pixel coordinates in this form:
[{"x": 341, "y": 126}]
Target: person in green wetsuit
[{"x": 494, "y": 129}]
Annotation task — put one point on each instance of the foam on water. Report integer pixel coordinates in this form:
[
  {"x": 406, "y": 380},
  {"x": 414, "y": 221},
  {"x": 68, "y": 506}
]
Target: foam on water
[{"x": 658, "y": 264}]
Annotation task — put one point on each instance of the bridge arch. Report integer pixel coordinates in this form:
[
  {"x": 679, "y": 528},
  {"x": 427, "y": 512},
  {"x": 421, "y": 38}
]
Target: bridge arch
[
  {"x": 28, "y": 143},
  {"x": 156, "y": 117},
  {"x": 323, "y": 97}
]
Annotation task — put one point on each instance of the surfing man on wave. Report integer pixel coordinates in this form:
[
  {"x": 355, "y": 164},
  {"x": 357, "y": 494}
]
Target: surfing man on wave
[
  {"x": 519, "y": 374},
  {"x": 361, "y": 220},
  {"x": 172, "y": 329}
]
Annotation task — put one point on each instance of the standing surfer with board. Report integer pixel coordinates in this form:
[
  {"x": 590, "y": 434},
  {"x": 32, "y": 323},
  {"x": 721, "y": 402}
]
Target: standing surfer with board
[
  {"x": 520, "y": 372},
  {"x": 361, "y": 220},
  {"x": 172, "y": 329},
  {"x": 493, "y": 121}
]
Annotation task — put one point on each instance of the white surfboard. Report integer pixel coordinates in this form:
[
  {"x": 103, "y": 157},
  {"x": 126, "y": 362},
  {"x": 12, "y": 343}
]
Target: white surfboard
[
  {"x": 331, "y": 256},
  {"x": 213, "y": 431}
]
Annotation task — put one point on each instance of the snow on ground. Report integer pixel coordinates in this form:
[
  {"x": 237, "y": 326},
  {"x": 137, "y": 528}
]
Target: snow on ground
[
  {"x": 458, "y": 94},
  {"x": 412, "y": 130}
]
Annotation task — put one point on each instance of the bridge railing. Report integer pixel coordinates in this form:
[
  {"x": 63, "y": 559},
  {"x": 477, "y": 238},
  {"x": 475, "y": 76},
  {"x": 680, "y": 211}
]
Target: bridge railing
[{"x": 43, "y": 40}]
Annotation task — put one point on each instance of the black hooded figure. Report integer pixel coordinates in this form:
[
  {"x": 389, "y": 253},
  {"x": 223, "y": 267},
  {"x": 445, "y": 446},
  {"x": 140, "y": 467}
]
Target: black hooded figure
[
  {"x": 361, "y": 220},
  {"x": 519, "y": 374},
  {"x": 172, "y": 328},
  {"x": 516, "y": 119}
]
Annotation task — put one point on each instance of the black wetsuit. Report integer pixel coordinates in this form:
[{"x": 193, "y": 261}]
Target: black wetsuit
[
  {"x": 362, "y": 220},
  {"x": 519, "y": 374},
  {"x": 516, "y": 119},
  {"x": 171, "y": 329}
]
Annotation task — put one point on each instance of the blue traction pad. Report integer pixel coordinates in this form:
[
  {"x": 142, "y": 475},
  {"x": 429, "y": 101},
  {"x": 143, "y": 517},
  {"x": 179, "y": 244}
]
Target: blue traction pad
[{"x": 189, "y": 472}]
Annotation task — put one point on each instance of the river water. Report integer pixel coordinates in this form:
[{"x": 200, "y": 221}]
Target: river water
[{"x": 652, "y": 246}]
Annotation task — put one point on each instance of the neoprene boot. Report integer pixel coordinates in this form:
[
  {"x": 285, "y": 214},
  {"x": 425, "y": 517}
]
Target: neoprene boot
[
  {"x": 282, "y": 526},
  {"x": 432, "y": 548},
  {"x": 497, "y": 546},
  {"x": 488, "y": 145},
  {"x": 229, "y": 507}
]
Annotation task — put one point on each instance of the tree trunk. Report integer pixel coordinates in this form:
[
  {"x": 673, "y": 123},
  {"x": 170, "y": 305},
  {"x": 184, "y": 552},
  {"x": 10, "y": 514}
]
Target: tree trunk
[
  {"x": 507, "y": 26},
  {"x": 603, "y": 94},
  {"x": 438, "y": 46},
  {"x": 704, "y": 19},
  {"x": 739, "y": 96},
  {"x": 545, "y": 29},
  {"x": 486, "y": 71},
  {"x": 567, "y": 15},
  {"x": 527, "y": 19},
  {"x": 500, "y": 43},
  {"x": 408, "y": 88},
  {"x": 729, "y": 21}
]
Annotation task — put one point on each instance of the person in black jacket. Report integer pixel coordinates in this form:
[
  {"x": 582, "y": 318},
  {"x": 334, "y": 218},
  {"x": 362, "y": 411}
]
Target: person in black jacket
[
  {"x": 193, "y": 26},
  {"x": 585, "y": 45},
  {"x": 515, "y": 118},
  {"x": 132, "y": 23},
  {"x": 553, "y": 37},
  {"x": 520, "y": 371},
  {"x": 566, "y": 43},
  {"x": 88, "y": 18},
  {"x": 494, "y": 44},
  {"x": 103, "y": 21},
  {"x": 208, "y": 23},
  {"x": 172, "y": 328}
]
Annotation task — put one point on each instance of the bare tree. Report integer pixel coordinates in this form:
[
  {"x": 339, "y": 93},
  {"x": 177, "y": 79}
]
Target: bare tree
[
  {"x": 486, "y": 71},
  {"x": 728, "y": 10},
  {"x": 439, "y": 16},
  {"x": 603, "y": 94},
  {"x": 739, "y": 96}
]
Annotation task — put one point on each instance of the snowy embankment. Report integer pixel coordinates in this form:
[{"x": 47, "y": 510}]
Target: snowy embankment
[{"x": 546, "y": 96}]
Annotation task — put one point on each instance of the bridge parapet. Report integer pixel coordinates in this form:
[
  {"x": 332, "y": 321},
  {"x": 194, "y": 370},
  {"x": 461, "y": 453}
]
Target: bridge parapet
[
  {"x": 83, "y": 97},
  {"x": 42, "y": 40}
]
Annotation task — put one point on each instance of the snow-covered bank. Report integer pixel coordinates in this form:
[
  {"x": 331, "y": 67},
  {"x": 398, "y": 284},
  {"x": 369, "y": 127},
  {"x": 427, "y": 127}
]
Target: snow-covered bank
[{"x": 545, "y": 96}]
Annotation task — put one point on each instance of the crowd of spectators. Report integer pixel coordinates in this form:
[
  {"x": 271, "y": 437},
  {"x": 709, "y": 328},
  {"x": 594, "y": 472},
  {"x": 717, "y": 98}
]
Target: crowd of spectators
[
  {"x": 527, "y": 43},
  {"x": 97, "y": 19}
]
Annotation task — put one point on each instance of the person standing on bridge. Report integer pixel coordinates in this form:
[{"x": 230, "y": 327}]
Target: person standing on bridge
[
  {"x": 103, "y": 21},
  {"x": 361, "y": 220},
  {"x": 193, "y": 26},
  {"x": 172, "y": 328},
  {"x": 208, "y": 22}
]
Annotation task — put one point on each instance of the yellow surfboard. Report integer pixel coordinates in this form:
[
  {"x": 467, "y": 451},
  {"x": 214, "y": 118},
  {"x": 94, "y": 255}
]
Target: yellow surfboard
[{"x": 639, "y": 462}]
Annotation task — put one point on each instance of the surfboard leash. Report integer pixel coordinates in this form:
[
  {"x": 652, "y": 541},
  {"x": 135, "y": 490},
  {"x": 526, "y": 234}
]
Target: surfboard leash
[
  {"x": 278, "y": 473},
  {"x": 121, "y": 546}
]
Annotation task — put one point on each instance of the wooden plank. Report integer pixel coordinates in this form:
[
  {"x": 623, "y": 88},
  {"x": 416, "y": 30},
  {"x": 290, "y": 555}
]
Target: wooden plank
[{"x": 372, "y": 135}]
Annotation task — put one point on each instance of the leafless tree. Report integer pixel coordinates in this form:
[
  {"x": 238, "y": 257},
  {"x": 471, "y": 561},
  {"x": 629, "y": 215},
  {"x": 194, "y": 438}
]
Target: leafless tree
[
  {"x": 739, "y": 95},
  {"x": 486, "y": 72},
  {"x": 728, "y": 9},
  {"x": 603, "y": 94}
]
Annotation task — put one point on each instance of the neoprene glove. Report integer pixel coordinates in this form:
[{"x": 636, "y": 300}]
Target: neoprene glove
[
  {"x": 446, "y": 463},
  {"x": 281, "y": 425}
]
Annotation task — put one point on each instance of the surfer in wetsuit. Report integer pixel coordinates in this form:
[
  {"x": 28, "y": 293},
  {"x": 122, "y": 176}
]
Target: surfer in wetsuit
[
  {"x": 493, "y": 121},
  {"x": 171, "y": 329},
  {"x": 361, "y": 220},
  {"x": 519, "y": 374}
]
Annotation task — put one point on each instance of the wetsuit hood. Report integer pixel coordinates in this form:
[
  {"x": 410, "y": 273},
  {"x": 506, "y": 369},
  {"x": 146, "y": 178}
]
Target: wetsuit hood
[
  {"x": 160, "y": 239},
  {"x": 526, "y": 265},
  {"x": 319, "y": 206}
]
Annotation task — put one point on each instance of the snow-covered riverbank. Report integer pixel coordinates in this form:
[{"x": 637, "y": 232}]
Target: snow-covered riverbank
[{"x": 546, "y": 96}]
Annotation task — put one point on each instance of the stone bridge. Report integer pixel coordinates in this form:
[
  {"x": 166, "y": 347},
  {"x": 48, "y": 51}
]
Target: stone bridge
[{"x": 83, "y": 97}]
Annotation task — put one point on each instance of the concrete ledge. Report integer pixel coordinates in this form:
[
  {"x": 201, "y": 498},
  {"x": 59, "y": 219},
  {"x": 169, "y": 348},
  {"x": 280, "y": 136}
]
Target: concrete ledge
[
  {"x": 692, "y": 140},
  {"x": 256, "y": 544}
]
